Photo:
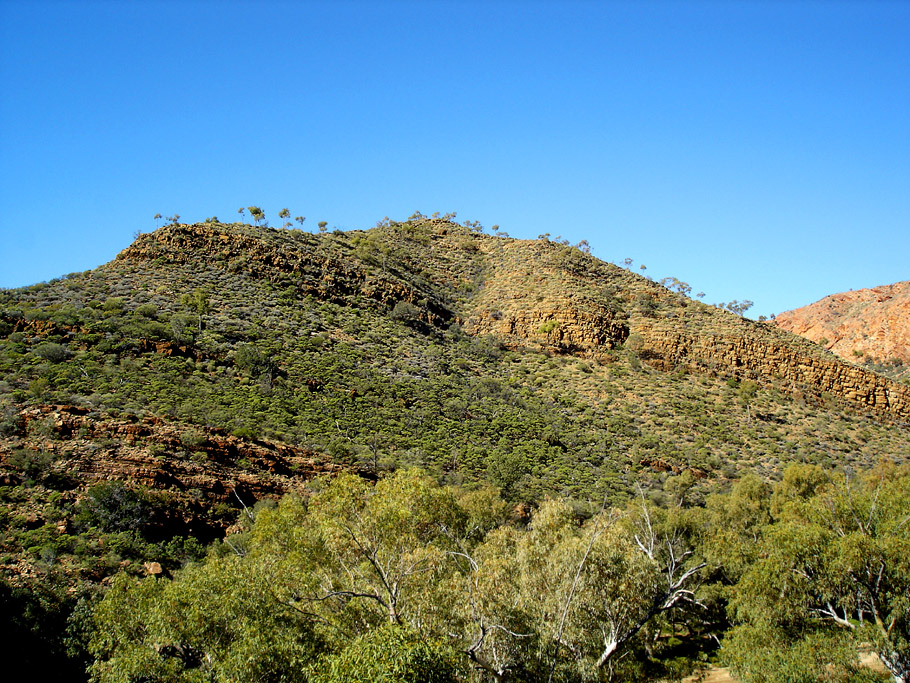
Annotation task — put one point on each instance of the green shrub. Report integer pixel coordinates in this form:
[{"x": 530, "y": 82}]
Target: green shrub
[
  {"x": 34, "y": 465},
  {"x": 147, "y": 310},
  {"x": 113, "y": 507},
  {"x": 113, "y": 305},
  {"x": 405, "y": 312},
  {"x": 51, "y": 352}
]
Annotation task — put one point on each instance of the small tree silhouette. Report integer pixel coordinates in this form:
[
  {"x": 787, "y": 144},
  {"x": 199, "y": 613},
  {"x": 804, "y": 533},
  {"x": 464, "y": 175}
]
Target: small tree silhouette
[{"x": 256, "y": 213}]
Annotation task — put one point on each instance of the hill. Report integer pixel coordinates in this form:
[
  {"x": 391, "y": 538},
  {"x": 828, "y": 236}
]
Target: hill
[
  {"x": 528, "y": 362},
  {"x": 212, "y": 367},
  {"x": 866, "y": 326}
]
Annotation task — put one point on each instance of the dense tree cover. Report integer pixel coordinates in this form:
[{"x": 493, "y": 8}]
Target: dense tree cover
[
  {"x": 406, "y": 575},
  {"x": 831, "y": 571},
  {"x": 438, "y": 575}
]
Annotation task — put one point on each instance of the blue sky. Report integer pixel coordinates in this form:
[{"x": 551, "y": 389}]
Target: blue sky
[{"x": 757, "y": 150}]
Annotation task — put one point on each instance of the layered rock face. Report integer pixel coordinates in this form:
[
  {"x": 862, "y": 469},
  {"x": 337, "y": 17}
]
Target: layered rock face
[
  {"x": 316, "y": 272},
  {"x": 161, "y": 455},
  {"x": 545, "y": 297},
  {"x": 766, "y": 360},
  {"x": 559, "y": 326},
  {"x": 868, "y": 322},
  {"x": 533, "y": 296}
]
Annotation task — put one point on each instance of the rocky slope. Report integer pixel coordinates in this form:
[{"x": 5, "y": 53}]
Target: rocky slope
[
  {"x": 554, "y": 296},
  {"x": 866, "y": 326},
  {"x": 430, "y": 274},
  {"x": 156, "y": 454}
]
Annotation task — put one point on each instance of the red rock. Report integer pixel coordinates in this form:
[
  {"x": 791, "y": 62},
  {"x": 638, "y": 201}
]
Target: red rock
[{"x": 868, "y": 322}]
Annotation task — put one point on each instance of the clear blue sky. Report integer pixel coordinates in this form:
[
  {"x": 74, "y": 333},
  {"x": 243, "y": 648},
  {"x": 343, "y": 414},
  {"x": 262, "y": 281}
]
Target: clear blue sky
[{"x": 757, "y": 150}]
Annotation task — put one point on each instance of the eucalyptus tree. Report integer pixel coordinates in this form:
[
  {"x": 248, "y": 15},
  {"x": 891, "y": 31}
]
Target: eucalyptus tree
[
  {"x": 257, "y": 214},
  {"x": 831, "y": 571},
  {"x": 407, "y": 574}
]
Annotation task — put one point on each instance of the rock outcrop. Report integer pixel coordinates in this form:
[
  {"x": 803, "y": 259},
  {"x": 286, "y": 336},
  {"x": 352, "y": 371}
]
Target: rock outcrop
[
  {"x": 161, "y": 455},
  {"x": 316, "y": 272},
  {"x": 775, "y": 362},
  {"x": 544, "y": 295},
  {"x": 535, "y": 294}
]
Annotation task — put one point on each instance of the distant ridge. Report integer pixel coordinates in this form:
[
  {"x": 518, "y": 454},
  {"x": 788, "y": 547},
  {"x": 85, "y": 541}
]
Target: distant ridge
[{"x": 866, "y": 325}]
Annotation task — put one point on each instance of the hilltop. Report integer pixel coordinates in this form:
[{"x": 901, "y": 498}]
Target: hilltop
[{"x": 867, "y": 326}]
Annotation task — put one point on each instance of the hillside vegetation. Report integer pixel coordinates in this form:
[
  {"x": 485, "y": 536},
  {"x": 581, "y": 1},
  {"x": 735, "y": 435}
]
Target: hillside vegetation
[{"x": 211, "y": 366}]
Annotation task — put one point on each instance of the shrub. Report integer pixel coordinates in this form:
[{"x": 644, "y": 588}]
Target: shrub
[
  {"x": 405, "y": 312},
  {"x": 548, "y": 326},
  {"x": 113, "y": 507},
  {"x": 32, "y": 464},
  {"x": 113, "y": 305},
  {"x": 51, "y": 352},
  {"x": 147, "y": 310}
]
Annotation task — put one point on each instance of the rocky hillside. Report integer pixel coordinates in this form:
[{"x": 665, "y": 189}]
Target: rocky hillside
[
  {"x": 218, "y": 365},
  {"x": 152, "y": 404},
  {"x": 536, "y": 293},
  {"x": 867, "y": 326}
]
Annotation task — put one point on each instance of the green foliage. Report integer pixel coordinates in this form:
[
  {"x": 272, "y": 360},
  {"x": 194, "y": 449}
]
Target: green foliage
[
  {"x": 389, "y": 654},
  {"x": 253, "y": 361},
  {"x": 548, "y": 326},
  {"x": 34, "y": 465},
  {"x": 832, "y": 567},
  {"x": 216, "y": 622},
  {"x": 406, "y": 312},
  {"x": 257, "y": 214},
  {"x": 49, "y": 351},
  {"x": 112, "y": 508},
  {"x": 760, "y": 655},
  {"x": 409, "y": 580}
]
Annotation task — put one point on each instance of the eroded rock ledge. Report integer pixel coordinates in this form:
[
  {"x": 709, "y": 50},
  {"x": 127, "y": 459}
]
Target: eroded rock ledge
[
  {"x": 764, "y": 361},
  {"x": 161, "y": 455},
  {"x": 316, "y": 272}
]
